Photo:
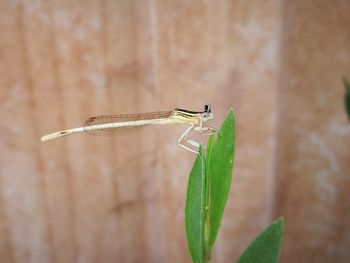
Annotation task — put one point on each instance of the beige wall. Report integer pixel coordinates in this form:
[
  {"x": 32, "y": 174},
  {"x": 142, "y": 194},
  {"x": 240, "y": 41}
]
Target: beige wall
[{"x": 279, "y": 64}]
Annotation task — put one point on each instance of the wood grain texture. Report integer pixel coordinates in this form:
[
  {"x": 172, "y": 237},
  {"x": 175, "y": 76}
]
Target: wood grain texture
[
  {"x": 84, "y": 198},
  {"x": 313, "y": 165}
]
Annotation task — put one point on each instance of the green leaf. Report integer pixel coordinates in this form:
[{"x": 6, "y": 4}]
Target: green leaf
[
  {"x": 195, "y": 207},
  {"x": 220, "y": 170},
  {"x": 210, "y": 145},
  {"x": 207, "y": 192},
  {"x": 266, "y": 247},
  {"x": 347, "y": 97},
  {"x": 207, "y": 247}
]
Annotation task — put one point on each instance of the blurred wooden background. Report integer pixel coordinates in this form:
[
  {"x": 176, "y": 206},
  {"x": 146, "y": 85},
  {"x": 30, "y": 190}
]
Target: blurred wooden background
[{"x": 83, "y": 198}]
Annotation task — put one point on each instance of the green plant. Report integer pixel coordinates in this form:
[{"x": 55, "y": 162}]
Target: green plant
[
  {"x": 207, "y": 192},
  {"x": 347, "y": 97},
  {"x": 208, "y": 188},
  {"x": 266, "y": 247}
]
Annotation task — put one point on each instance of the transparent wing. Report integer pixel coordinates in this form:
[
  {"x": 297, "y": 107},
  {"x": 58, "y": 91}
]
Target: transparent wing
[{"x": 104, "y": 119}]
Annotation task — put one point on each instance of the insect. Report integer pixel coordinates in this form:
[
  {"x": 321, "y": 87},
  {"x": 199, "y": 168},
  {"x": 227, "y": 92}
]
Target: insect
[{"x": 127, "y": 123}]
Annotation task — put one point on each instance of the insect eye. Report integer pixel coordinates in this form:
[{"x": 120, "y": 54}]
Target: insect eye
[{"x": 207, "y": 108}]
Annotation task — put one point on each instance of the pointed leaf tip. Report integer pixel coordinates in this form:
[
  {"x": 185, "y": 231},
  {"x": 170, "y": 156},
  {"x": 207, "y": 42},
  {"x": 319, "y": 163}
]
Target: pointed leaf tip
[{"x": 267, "y": 245}]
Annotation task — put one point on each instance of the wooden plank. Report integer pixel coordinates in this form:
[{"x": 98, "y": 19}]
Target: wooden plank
[
  {"x": 23, "y": 180},
  {"x": 313, "y": 154},
  {"x": 77, "y": 29},
  {"x": 6, "y": 242},
  {"x": 125, "y": 153}
]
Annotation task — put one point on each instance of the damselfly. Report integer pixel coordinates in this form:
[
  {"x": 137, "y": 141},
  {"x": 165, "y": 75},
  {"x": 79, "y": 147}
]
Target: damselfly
[{"x": 127, "y": 123}]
